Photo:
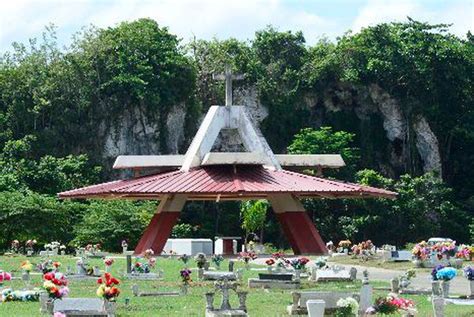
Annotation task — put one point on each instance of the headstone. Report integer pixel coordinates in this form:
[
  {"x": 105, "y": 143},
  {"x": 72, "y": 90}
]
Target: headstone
[
  {"x": 231, "y": 265},
  {"x": 274, "y": 280},
  {"x": 298, "y": 306},
  {"x": 83, "y": 307},
  {"x": 394, "y": 285},
  {"x": 365, "y": 294},
  {"x": 137, "y": 292},
  {"x": 219, "y": 275},
  {"x": 336, "y": 273},
  {"x": 129, "y": 264},
  {"x": 315, "y": 307},
  {"x": 438, "y": 306}
]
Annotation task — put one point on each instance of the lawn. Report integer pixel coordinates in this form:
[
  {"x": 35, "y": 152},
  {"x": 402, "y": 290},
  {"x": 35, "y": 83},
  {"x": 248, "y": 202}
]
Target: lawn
[
  {"x": 260, "y": 302},
  {"x": 349, "y": 260}
]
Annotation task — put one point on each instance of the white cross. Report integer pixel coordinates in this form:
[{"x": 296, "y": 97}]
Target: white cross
[{"x": 228, "y": 77}]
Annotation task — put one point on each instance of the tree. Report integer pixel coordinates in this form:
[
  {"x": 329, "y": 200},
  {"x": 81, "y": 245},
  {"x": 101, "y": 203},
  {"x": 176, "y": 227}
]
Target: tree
[
  {"x": 253, "y": 214},
  {"x": 326, "y": 141}
]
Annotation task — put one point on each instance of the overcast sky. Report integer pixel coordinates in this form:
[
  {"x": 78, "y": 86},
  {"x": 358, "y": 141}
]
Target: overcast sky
[{"x": 23, "y": 19}]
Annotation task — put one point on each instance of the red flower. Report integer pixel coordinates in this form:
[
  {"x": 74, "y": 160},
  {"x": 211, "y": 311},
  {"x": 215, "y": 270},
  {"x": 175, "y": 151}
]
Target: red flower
[
  {"x": 48, "y": 276},
  {"x": 115, "y": 281},
  {"x": 99, "y": 280},
  {"x": 107, "y": 276}
]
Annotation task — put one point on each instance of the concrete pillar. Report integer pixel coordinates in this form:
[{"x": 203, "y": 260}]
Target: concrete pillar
[
  {"x": 300, "y": 231},
  {"x": 159, "y": 229}
]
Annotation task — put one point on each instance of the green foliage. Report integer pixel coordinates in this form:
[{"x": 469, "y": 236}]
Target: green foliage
[
  {"x": 109, "y": 222},
  {"x": 183, "y": 230},
  {"x": 325, "y": 141},
  {"x": 30, "y": 215},
  {"x": 253, "y": 214}
]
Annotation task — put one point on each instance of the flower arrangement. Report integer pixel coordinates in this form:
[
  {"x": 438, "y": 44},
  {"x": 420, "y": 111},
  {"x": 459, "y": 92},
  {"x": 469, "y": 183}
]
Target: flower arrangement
[
  {"x": 278, "y": 255},
  {"x": 108, "y": 289},
  {"x": 108, "y": 261},
  {"x": 390, "y": 305},
  {"x": 45, "y": 267},
  {"x": 270, "y": 262},
  {"x": 200, "y": 259},
  {"x": 124, "y": 244},
  {"x": 463, "y": 252},
  {"x": 55, "y": 284},
  {"x": 185, "y": 276},
  {"x": 184, "y": 258},
  {"x": 56, "y": 265},
  {"x": 140, "y": 267},
  {"x": 9, "y": 295},
  {"x": 299, "y": 263},
  {"x": 15, "y": 246},
  {"x": 320, "y": 263},
  {"x": 148, "y": 253},
  {"x": 447, "y": 248},
  {"x": 468, "y": 272},
  {"x": 217, "y": 259},
  {"x": 421, "y": 251},
  {"x": 344, "y": 244},
  {"x": 347, "y": 307},
  {"x": 5, "y": 276},
  {"x": 26, "y": 266},
  {"x": 446, "y": 274},
  {"x": 29, "y": 244},
  {"x": 247, "y": 256},
  {"x": 434, "y": 272},
  {"x": 363, "y": 248},
  {"x": 52, "y": 246}
]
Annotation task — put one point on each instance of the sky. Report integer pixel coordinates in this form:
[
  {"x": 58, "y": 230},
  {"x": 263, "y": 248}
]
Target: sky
[{"x": 205, "y": 19}]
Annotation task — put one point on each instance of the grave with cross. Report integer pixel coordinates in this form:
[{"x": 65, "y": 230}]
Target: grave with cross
[{"x": 201, "y": 174}]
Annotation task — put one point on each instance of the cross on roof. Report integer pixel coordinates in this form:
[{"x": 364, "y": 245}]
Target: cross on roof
[{"x": 228, "y": 77}]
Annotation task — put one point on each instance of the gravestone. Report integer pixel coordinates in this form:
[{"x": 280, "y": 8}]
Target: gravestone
[
  {"x": 438, "y": 306},
  {"x": 224, "y": 287},
  {"x": 137, "y": 292},
  {"x": 365, "y": 293},
  {"x": 219, "y": 275},
  {"x": 274, "y": 280},
  {"x": 315, "y": 307},
  {"x": 84, "y": 307},
  {"x": 335, "y": 273},
  {"x": 298, "y": 306},
  {"x": 231, "y": 265}
]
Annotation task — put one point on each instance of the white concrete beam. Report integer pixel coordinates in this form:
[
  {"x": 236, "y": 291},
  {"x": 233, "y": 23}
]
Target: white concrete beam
[{"x": 309, "y": 160}]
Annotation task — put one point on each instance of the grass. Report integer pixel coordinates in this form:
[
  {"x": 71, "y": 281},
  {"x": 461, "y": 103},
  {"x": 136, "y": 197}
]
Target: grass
[
  {"x": 401, "y": 266},
  {"x": 260, "y": 302}
]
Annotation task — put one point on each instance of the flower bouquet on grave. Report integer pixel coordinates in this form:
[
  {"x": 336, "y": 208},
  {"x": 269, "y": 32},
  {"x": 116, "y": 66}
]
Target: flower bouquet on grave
[
  {"x": 15, "y": 246},
  {"x": 55, "y": 285},
  {"x": 404, "y": 280},
  {"x": 391, "y": 305},
  {"x": 108, "y": 291},
  {"x": 347, "y": 307},
  {"x": 140, "y": 267},
  {"x": 45, "y": 266},
  {"x": 4, "y": 276},
  {"x": 185, "y": 279},
  {"x": 184, "y": 258},
  {"x": 320, "y": 263},
  {"x": 56, "y": 265},
  {"x": 201, "y": 260},
  {"x": 217, "y": 259},
  {"x": 299, "y": 263},
  {"x": 148, "y": 253},
  {"x": 29, "y": 246},
  {"x": 26, "y": 267},
  {"x": 344, "y": 245},
  {"x": 247, "y": 257},
  {"x": 108, "y": 263},
  {"x": 269, "y": 263},
  {"x": 421, "y": 251},
  {"x": 9, "y": 295},
  {"x": 278, "y": 255},
  {"x": 444, "y": 274}
]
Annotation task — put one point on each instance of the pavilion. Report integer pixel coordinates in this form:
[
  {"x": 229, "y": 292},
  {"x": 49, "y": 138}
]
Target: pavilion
[{"x": 204, "y": 175}]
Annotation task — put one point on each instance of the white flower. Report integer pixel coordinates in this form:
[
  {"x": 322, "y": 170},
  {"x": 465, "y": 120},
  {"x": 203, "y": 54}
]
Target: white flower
[{"x": 349, "y": 302}]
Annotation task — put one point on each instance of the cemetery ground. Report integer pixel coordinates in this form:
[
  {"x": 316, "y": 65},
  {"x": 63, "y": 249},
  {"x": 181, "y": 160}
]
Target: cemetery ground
[{"x": 260, "y": 302}]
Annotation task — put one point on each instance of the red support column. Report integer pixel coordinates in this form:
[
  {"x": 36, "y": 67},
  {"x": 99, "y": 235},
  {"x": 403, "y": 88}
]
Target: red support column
[
  {"x": 296, "y": 224},
  {"x": 159, "y": 229},
  {"x": 301, "y": 233},
  {"x": 157, "y": 232}
]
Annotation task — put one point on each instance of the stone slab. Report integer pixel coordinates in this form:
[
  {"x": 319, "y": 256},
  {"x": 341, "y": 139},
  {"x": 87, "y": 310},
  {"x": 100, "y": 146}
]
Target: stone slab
[
  {"x": 143, "y": 276},
  {"x": 80, "y": 307},
  {"x": 257, "y": 283},
  {"x": 218, "y": 275},
  {"x": 225, "y": 313}
]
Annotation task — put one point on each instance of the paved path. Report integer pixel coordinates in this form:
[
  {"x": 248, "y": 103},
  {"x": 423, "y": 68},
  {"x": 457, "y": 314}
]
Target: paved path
[{"x": 422, "y": 280}]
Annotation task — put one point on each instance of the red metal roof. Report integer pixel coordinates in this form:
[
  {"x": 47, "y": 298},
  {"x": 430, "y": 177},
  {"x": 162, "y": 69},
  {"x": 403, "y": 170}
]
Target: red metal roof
[{"x": 226, "y": 182}]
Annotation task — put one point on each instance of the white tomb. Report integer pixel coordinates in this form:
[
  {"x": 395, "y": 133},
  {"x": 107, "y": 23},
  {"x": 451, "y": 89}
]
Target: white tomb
[
  {"x": 188, "y": 246},
  {"x": 219, "y": 247}
]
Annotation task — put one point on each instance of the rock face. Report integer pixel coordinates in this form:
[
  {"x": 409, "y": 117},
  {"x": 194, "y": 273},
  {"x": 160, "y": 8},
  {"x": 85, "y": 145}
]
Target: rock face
[
  {"x": 138, "y": 134},
  {"x": 427, "y": 145}
]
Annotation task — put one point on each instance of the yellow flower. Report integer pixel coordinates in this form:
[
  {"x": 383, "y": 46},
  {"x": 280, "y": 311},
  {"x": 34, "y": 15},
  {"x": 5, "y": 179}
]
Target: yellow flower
[
  {"x": 48, "y": 284},
  {"x": 101, "y": 291},
  {"x": 26, "y": 266}
]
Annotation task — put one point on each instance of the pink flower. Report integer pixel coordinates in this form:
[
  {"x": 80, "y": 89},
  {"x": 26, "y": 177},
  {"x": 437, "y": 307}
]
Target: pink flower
[
  {"x": 63, "y": 291},
  {"x": 59, "y": 314},
  {"x": 5, "y": 276}
]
